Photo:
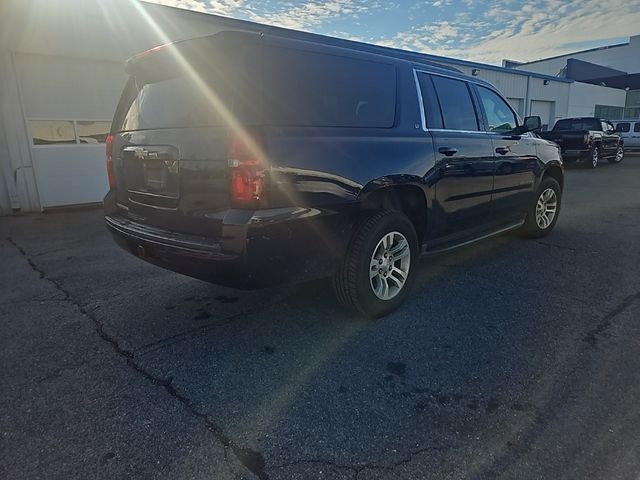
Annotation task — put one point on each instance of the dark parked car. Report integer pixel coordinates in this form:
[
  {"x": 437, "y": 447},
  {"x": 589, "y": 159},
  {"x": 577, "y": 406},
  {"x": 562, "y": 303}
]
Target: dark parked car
[
  {"x": 587, "y": 139},
  {"x": 248, "y": 160}
]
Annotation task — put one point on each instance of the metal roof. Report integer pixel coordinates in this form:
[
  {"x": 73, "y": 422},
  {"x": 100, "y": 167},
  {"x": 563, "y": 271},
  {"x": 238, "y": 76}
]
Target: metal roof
[{"x": 575, "y": 53}]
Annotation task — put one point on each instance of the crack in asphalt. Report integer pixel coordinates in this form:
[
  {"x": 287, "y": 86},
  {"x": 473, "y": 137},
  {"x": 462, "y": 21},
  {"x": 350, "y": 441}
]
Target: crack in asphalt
[
  {"x": 250, "y": 459},
  {"x": 600, "y": 330}
]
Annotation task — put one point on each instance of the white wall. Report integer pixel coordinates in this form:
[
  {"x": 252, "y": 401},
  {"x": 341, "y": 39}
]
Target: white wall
[
  {"x": 583, "y": 97},
  {"x": 62, "y": 87},
  {"x": 15, "y": 155}
]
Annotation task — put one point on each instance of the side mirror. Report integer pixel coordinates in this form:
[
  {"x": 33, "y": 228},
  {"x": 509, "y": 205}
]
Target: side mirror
[{"x": 531, "y": 124}]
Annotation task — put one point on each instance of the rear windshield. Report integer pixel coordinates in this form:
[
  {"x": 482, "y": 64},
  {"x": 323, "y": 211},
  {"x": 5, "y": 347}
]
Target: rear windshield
[
  {"x": 306, "y": 88},
  {"x": 578, "y": 124},
  {"x": 192, "y": 85}
]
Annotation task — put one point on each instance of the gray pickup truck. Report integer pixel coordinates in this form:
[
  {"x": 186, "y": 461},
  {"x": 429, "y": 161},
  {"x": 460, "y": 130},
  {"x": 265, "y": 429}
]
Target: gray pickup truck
[{"x": 586, "y": 139}]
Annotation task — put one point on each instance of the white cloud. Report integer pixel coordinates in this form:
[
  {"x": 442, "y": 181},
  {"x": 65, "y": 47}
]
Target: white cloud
[
  {"x": 306, "y": 15},
  {"x": 219, "y": 7},
  {"x": 523, "y": 33}
]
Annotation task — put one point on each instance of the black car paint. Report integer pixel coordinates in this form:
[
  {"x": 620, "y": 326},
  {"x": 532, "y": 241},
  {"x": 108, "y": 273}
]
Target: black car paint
[
  {"x": 321, "y": 180},
  {"x": 577, "y": 145}
]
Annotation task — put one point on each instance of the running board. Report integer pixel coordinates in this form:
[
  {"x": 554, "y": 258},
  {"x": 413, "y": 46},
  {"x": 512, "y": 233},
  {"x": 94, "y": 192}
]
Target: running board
[{"x": 426, "y": 251}]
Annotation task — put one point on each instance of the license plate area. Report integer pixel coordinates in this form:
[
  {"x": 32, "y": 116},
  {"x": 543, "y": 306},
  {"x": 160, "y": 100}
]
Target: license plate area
[
  {"x": 155, "y": 175},
  {"x": 152, "y": 174}
]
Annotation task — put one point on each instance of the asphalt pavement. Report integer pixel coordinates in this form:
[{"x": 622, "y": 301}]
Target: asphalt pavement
[{"x": 512, "y": 358}]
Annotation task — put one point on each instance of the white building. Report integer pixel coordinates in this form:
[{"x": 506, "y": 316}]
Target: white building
[
  {"x": 615, "y": 66},
  {"x": 62, "y": 71}
]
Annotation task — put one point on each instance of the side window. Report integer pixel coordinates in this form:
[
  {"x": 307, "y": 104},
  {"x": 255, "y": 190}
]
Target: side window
[
  {"x": 500, "y": 118},
  {"x": 456, "y": 105},
  {"x": 623, "y": 127},
  {"x": 610, "y": 127},
  {"x": 309, "y": 88},
  {"x": 430, "y": 101},
  {"x": 636, "y": 128},
  {"x": 605, "y": 127}
]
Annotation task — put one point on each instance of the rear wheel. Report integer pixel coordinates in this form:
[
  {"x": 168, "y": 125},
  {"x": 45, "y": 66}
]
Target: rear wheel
[
  {"x": 543, "y": 214},
  {"x": 619, "y": 155},
  {"x": 379, "y": 267}
]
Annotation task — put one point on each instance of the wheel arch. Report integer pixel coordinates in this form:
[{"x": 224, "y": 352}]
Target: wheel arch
[
  {"x": 405, "y": 194},
  {"x": 556, "y": 172}
]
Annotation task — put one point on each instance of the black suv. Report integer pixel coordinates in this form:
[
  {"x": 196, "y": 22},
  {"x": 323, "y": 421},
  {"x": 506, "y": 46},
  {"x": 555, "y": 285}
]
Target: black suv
[{"x": 251, "y": 159}]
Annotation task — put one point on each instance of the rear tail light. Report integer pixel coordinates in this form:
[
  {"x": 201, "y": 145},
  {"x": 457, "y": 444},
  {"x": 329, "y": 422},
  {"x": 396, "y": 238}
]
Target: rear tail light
[
  {"x": 110, "y": 173},
  {"x": 247, "y": 170}
]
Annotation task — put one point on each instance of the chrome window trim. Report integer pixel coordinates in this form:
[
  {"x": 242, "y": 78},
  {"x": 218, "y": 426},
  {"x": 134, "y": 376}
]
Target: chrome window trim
[
  {"x": 422, "y": 112},
  {"x": 438, "y": 74},
  {"x": 423, "y": 119},
  {"x": 458, "y": 131},
  {"x": 470, "y": 81}
]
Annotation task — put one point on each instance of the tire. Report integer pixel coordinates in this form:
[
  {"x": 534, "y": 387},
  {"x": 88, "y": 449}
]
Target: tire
[
  {"x": 357, "y": 285},
  {"x": 619, "y": 155},
  {"x": 593, "y": 158},
  {"x": 535, "y": 226}
]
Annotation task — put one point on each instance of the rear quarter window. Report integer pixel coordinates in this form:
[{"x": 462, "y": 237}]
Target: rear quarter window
[
  {"x": 306, "y": 88},
  {"x": 636, "y": 128}
]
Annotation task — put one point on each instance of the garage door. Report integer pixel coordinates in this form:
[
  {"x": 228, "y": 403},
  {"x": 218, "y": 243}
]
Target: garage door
[
  {"x": 545, "y": 110},
  {"x": 68, "y": 105}
]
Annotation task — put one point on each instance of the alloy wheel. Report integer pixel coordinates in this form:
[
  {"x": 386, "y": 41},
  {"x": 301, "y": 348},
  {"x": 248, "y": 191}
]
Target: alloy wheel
[
  {"x": 546, "y": 208},
  {"x": 389, "y": 266},
  {"x": 619, "y": 154}
]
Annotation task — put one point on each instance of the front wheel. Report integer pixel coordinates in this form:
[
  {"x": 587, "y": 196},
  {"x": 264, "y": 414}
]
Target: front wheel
[
  {"x": 594, "y": 157},
  {"x": 619, "y": 155},
  {"x": 543, "y": 214},
  {"x": 379, "y": 267}
]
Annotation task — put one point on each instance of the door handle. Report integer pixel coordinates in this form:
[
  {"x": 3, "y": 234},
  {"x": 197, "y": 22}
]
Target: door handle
[
  {"x": 503, "y": 150},
  {"x": 512, "y": 137},
  {"x": 448, "y": 151}
]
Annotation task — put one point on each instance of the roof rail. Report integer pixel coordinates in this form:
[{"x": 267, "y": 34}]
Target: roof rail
[{"x": 355, "y": 45}]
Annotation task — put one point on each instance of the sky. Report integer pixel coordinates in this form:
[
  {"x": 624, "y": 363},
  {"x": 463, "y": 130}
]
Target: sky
[{"x": 483, "y": 31}]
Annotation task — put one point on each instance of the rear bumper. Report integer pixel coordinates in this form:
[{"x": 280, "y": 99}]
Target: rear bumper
[{"x": 274, "y": 247}]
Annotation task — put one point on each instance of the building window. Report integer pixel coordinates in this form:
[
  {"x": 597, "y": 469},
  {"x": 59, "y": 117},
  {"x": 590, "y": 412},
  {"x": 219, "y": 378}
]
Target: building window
[
  {"x": 93, "y": 132},
  {"x": 68, "y": 132},
  {"x": 609, "y": 111},
  {"x": 52, "y": 132}
]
